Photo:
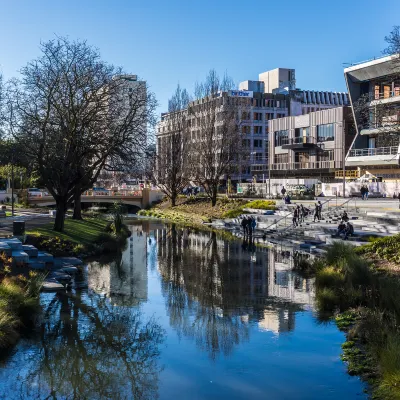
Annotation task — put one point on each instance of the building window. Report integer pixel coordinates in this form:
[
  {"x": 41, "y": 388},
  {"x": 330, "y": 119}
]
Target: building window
[
  {"x": 246, "y": 129},
  {"x": 246, "y": 142},
  {"x": 280, "y": 115},
  {"x": 326, "y": 156},
  {"x": 269, "y": 116},
  {"x": 258, "y": 129},
  {"x": 281, "y": 158},
  {"x": 257, "y": 143},
  {"x": 258, "y": 156},
  {"x": 281, "y": 137},
  {"x": 325, "y": 133}
]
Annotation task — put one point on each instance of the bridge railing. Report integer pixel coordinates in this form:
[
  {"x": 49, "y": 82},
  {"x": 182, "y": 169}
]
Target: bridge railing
[{"x": 122, "y": 193}]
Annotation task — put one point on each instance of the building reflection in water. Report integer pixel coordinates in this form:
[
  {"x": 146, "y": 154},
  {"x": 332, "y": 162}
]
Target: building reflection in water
[
  {"x": 124, "y": 279},
  {"x": 216, "y": 289}
]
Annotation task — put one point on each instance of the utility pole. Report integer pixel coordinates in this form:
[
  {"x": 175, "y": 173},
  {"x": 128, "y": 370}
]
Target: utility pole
[
  {"x": 344, "y": 162},
  {"x": 12, "y": 183}
]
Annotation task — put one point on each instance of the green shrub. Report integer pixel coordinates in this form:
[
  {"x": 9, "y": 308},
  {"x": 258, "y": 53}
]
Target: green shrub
[
  {"x": 327, "y": 300},
  {"x": 261, "y": 204},
  {"x": 9, "y": 324},
  {"x": 329, "y": 277},
  {"x": 337, "y": 253}
]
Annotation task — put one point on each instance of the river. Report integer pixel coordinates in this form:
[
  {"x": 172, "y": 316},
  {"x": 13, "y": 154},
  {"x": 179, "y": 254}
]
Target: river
[{"x": 182, "y": 315}]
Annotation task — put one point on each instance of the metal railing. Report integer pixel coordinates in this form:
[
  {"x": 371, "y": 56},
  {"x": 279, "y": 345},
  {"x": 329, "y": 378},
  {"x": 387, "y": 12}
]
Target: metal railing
[
  {"x": 305, "y": 165},
  {"x": 302, "y": 140},
  {"x": 379, "y": 151},
  {"x": 384, "y": 95}
]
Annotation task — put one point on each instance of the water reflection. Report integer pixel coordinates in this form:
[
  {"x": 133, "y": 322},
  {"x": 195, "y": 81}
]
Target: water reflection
[
  {"x": 124, "y": 280},
  {"x": 87, "y": 348},
  {"x": 215, "y": 289}
]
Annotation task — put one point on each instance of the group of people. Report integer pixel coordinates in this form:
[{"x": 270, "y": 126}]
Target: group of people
[
  {"x": 345, "y": 228},
  {"x": 299, "y": 214},
  {"x": 190, "y": 191},
  {"x": 364, "y": 192},
  {"x": 249, "y": 225}
]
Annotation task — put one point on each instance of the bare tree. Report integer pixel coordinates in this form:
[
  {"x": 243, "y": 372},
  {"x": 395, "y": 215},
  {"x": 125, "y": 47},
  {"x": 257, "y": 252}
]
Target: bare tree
[
  {"x": 171, "y": 172},
  {"x": 76, "y": 115},
  {"x": 216, "y": 122}
]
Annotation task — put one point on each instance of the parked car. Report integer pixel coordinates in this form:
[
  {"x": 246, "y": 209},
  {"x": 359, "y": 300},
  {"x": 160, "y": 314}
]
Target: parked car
[
  {"x": 35, "y": 192},
  {"x": 100, "y": 191},
  {"x": 298, "y": 190}
]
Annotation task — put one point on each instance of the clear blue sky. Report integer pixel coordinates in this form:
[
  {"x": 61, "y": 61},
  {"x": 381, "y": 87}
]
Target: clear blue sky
[{"x": 171, "y": 41}]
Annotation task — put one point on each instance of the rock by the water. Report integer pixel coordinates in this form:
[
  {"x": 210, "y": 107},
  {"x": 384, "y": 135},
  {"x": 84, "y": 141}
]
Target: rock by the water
[{"x": 52, "y": 286}]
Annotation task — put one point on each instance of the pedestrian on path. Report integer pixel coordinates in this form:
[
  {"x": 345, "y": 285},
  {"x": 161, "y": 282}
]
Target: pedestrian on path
[
  {"x": 283, "y": 191},
  {"x": 362, "y": 190},
  {"x": 253, "y": 225},
  {"x": 244, "y": 226},
  {"x": 316, "y": 212},
  {"x": 366, "y": 192},
  {"x": 319, "y": 210},
  {"x": 295, "y": 217}
]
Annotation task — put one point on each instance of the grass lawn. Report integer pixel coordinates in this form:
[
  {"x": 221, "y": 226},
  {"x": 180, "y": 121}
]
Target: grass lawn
[{"x": 82, "y": 232}]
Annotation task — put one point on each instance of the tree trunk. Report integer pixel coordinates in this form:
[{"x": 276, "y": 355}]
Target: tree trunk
[
  {"x": 214, "y": 196},
  {"x": 77, "y": 206},
  {"x": 60, "y": 216},
  {"x": 173, "y": 199}
]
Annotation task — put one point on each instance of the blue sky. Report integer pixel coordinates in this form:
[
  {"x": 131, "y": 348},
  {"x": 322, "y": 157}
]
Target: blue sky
[{"x": 171, "y": 41}]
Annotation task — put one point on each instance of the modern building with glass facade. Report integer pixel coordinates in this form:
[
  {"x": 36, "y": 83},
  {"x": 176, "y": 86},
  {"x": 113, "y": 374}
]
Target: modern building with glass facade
[{"x": 313, "y": 145}]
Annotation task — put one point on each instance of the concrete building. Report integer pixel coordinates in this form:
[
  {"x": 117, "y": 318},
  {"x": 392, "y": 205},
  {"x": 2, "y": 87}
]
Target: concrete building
[
  {"x": 273, "y": 96},
  {"x": 375, "y": 86},
  {"x": 313, "y": 145}
]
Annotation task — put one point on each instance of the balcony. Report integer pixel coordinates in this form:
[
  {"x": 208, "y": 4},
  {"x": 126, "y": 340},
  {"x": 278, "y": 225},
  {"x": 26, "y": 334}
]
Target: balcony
[
  {"x": 377, "y": 156},
  {"x": 304, "y": 165},
  {"x": 299, "y": 143},
  {"x": 385, "y": 97}
]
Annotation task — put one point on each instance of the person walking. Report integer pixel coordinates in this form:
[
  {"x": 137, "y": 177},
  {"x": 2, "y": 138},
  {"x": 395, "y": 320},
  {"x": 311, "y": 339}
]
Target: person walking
[
  {"x": 316, "y": 212},
  {"x": 244, "y": 226},
  {"x": 303, "y": 213},
  {"x": 295, "y": 216},
  {"x": 299, "y": 215},
  {"x": 362, "y": 190},
  {"x": 319, "y": 210},
  {"x": 366, "y": 192},
  {"x": 253, "y": 225},
  {"x": 283, "y": 191}
]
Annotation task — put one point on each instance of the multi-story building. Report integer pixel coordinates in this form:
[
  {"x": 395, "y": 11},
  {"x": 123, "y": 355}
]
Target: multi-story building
[
  {"x": 310, "y": 146},
  {"x": 374, "y": 89},
  {"x": 273, "y": 96}
]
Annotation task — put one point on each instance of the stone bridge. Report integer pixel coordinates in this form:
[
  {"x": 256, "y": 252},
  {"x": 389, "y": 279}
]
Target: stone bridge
[{"x": 141, "y": 198}]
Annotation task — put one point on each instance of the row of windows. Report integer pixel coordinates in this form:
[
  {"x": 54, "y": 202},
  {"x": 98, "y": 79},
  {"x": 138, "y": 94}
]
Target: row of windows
[
  {"x": 325, "y": 133},
  {"x": 257, "y": 116},
  {"x": 257, "y": 129},
  {"x": 256, "y": 143}
]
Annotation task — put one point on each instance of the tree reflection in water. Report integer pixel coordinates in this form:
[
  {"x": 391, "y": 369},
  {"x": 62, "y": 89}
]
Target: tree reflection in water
[
  {"x": 90, "y": 349},
  {"x": 198, "y": 303}
]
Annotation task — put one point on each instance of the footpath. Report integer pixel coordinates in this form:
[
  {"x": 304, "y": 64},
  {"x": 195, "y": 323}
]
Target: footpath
[{"x": 370, "y": 218}]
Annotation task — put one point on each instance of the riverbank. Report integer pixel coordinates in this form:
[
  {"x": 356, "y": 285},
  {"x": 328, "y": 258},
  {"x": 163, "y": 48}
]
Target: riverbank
[
  {"x": 19, "y": 302},
  {"x": 81, "y": 238},
  {"x": 362, "y": 297},
  {"x": 198, "y": 210}
]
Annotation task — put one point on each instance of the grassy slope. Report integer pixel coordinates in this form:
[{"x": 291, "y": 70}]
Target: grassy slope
[
  {"x": 83, "y": 232},
  {"x": 199, "y": 210}
]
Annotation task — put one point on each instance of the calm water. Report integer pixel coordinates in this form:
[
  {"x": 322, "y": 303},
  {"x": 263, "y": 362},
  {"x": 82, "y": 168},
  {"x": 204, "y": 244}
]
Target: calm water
[{"x": 182, "y": 315}]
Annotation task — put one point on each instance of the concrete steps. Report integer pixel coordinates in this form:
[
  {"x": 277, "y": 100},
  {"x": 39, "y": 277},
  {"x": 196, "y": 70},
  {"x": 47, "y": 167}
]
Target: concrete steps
[{"x": 61, "y": 269}]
